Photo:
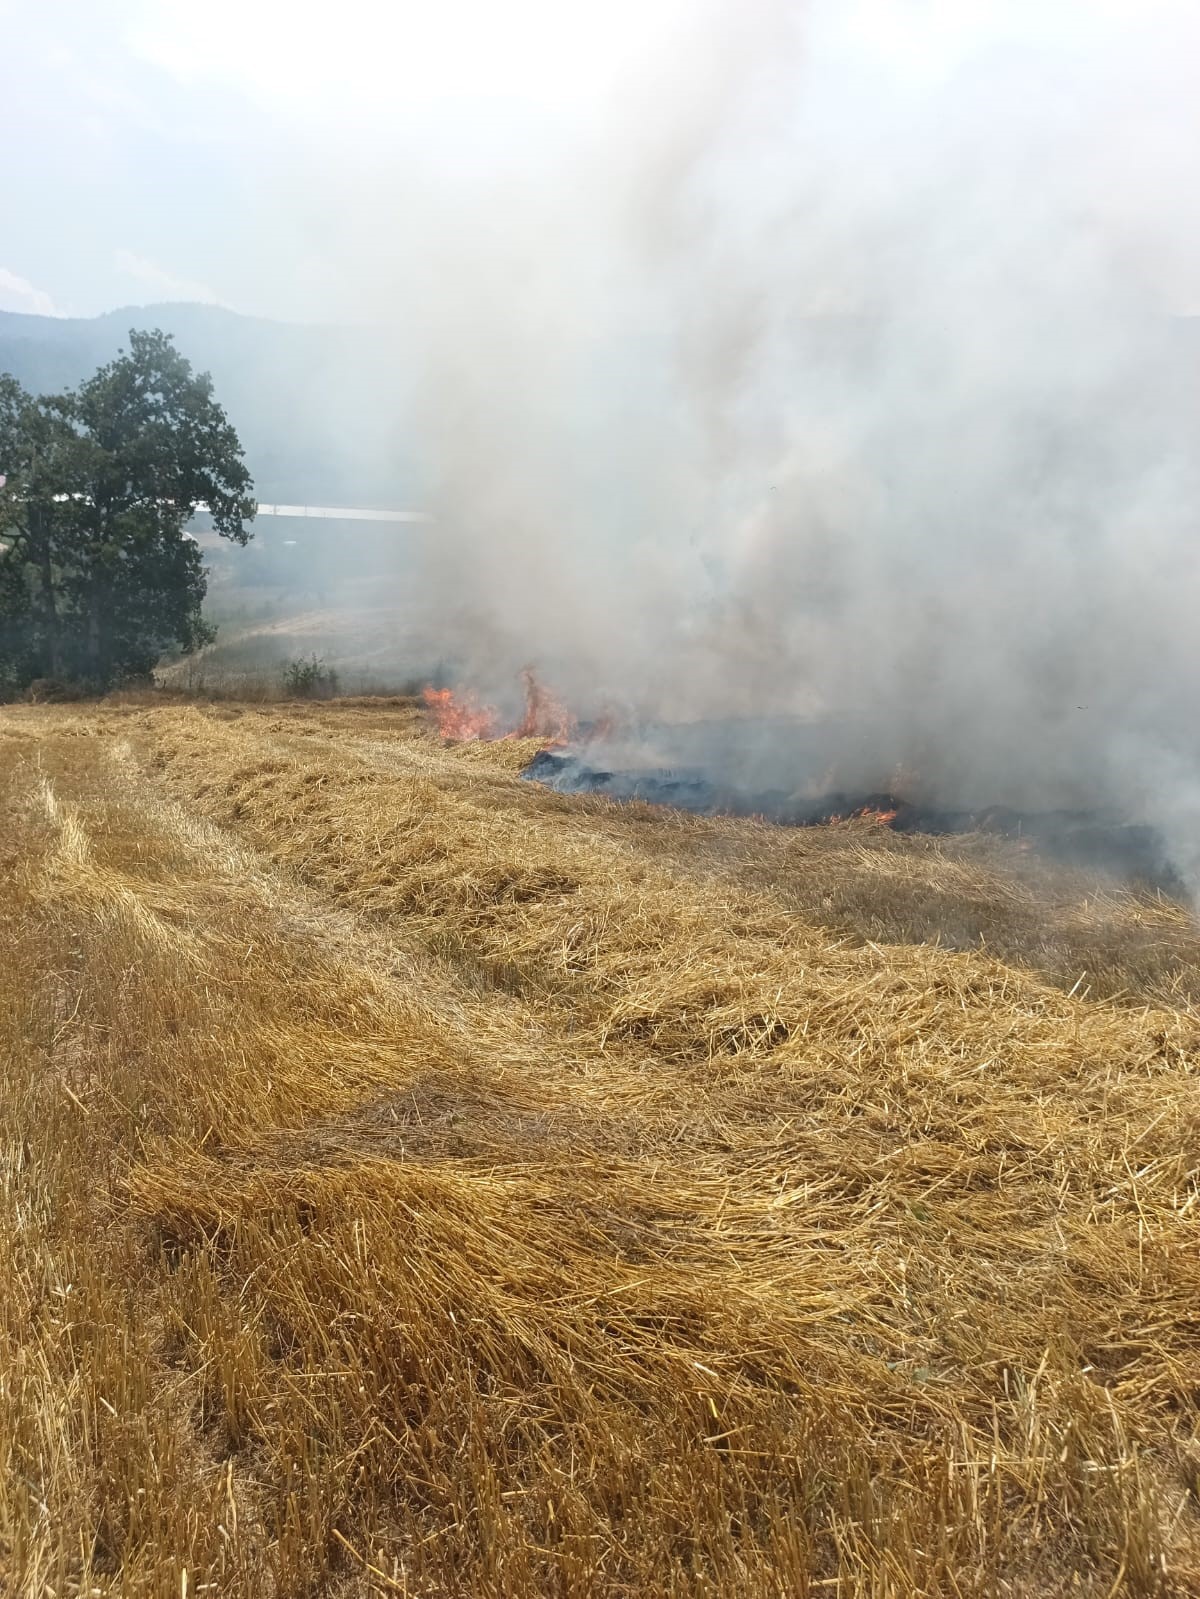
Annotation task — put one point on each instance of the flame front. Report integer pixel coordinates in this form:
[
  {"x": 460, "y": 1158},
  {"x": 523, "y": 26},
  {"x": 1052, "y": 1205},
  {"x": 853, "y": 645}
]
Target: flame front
[
  {"x": 868, "y": 813},
  {"x": 464, "y": 719},
  {"x": 460, "y": 719},
  {"x": 545, "y": 716},
  {"x": 880, "y": 815}
]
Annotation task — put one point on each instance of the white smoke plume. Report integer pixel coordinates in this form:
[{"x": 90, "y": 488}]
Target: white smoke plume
[
  {"x": 816, "y": 392},
  {"x": 843, "y": 367}
]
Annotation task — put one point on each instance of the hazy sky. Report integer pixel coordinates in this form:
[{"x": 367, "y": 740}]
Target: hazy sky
[{"x": 157, "y": 150}]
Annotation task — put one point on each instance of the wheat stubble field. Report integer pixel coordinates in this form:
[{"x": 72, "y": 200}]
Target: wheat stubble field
[{"x": 413, "y": 1181}]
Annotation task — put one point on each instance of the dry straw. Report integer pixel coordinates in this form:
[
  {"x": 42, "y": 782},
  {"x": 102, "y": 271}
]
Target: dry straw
[{"x": 421, "y": 1182}]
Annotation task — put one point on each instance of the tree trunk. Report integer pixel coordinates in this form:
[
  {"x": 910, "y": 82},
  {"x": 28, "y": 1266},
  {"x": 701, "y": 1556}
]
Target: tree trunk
[
  {"x": 46, "y": 610},
  {"x": 99, "y": 642},
  {"x": 49, "y": 615}
]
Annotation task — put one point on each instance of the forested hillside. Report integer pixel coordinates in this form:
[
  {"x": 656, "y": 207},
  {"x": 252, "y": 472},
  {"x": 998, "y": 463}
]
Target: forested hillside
[{"x": 321, "y": 409}]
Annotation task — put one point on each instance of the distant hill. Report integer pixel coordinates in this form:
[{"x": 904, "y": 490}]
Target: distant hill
[{"x": 320, "y": 409}]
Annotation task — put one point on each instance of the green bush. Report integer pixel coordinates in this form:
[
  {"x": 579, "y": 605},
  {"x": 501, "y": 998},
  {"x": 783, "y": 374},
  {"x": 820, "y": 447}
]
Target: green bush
[{"x": 309, "y": 678}]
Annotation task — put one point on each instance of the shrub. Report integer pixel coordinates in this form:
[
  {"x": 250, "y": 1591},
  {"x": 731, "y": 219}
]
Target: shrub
[
  {"x": 54, "y": 691},
  {"x": 309, "y": 678}
]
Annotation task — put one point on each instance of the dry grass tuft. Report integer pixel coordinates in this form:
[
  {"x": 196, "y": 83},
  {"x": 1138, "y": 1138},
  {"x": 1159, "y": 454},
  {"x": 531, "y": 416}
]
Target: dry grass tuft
[{"x": 413, "y": 1181}]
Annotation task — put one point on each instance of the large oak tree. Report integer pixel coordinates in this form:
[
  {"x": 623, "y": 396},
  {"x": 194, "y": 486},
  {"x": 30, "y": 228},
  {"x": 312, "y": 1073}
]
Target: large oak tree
[{"x": 97, "y": 575}]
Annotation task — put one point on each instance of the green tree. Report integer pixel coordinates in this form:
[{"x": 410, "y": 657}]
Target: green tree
[
  {"x": 97, "y": 576},
  {"x": 36, "y": 443}
]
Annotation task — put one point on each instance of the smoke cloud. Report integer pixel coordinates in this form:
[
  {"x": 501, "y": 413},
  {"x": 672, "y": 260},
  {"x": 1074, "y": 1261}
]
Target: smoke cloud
[
  {"x": 837, "y": 387},
  {"x": 842, "y": 366}
]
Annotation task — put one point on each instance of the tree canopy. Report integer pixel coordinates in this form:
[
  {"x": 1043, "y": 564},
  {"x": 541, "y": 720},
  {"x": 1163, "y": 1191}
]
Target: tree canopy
[{"x": 97, "y": 575}]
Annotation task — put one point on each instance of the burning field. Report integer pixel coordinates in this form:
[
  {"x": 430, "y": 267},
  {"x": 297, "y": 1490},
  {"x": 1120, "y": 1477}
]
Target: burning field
[
  {"x": 420, "y": 1179},
  {"x": 781, "y": 770}
]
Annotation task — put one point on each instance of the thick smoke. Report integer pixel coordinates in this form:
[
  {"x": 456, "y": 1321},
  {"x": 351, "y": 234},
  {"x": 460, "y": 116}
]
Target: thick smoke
[{"x": 844, "y": 377}]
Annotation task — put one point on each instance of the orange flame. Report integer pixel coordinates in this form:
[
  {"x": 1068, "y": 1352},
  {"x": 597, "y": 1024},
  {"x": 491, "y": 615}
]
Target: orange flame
[
  {"x": 545, "y": 716},
  {"x": 883, "y": 818},
  {"x": 460, "y": 720},
  {"x": 865, "y": 813},
  {"x": 463, "y": 718}
]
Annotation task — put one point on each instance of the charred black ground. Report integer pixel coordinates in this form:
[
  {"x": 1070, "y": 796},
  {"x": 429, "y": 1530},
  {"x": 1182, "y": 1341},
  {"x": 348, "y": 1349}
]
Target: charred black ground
[{"x": 1096, "y": 840}]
